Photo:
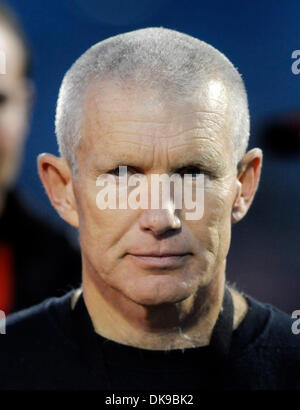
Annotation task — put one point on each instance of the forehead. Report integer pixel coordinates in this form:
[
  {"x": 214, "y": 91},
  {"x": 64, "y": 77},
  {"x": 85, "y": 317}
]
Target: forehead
[{"x": 128, "y": 120}]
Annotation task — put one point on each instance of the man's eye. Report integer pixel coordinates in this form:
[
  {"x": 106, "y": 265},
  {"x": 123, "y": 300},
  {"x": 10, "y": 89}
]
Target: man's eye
[
  {"x": 121, "y": 171},
  {"x": 194, "y": 171}
]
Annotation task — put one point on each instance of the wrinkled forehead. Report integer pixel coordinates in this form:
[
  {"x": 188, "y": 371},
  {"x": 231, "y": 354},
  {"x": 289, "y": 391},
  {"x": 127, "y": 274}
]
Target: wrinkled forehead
[{"x": 113, "y": 110}]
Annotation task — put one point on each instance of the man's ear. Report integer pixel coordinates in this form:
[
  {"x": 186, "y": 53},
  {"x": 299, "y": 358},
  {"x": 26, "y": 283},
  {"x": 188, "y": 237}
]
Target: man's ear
[
  {"x": 56, "y": 176},
  {"x": 247, "y": 183}
]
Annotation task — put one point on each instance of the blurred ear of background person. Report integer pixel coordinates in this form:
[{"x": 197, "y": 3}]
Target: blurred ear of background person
[{"x": 36, "y": 261}]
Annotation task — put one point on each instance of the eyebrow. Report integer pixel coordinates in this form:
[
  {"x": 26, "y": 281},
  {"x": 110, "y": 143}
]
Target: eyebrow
[
  {"x": 215, "y": 169},
  {"x": 207, "y": 162}
]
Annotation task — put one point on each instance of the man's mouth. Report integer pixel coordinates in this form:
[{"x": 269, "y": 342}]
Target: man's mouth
[{"x": 166, "y": 260}]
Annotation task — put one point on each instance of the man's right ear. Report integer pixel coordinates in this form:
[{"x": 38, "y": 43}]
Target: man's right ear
[{"x": 56, "y": 176}]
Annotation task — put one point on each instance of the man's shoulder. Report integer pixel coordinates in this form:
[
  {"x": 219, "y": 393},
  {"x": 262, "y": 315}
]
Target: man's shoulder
[
  {"x": 278, "y": 332},
  {"x": 37, "y": 350},
  {"x": 270, "y": 357}
]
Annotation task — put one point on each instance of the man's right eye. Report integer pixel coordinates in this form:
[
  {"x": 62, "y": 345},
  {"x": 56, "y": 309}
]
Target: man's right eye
[{"x": 121, "y": 171}]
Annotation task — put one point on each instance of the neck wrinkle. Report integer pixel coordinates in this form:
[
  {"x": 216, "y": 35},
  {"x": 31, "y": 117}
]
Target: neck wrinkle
[{"x": 193, "y": 331}]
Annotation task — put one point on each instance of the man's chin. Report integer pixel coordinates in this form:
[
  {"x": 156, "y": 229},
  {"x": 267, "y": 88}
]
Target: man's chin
[
  {"x": 150, "y": 300},
  {"x": 157, "y": 290}
]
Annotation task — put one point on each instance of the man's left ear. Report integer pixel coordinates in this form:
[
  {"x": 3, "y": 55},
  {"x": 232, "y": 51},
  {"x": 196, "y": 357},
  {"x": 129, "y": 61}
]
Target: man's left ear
[
  {"x": 247, "y": 183},
  {"x": 56, "y": 176}
]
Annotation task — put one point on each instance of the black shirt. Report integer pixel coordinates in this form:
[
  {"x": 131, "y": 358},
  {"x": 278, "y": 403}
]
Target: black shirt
[{"x": 51, "y": 346}]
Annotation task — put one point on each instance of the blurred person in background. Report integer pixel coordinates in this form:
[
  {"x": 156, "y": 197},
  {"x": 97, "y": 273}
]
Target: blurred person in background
[
  {"x": 35, "y": 260},
  {"x": 281, "y": 135}
]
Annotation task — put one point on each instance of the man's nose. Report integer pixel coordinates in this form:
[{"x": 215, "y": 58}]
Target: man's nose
[{"x": 159, "y": 221}]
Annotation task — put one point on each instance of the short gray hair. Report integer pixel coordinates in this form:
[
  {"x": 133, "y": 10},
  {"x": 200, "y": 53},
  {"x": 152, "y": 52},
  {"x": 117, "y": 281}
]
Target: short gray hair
[{"x": 166, "y": 58}]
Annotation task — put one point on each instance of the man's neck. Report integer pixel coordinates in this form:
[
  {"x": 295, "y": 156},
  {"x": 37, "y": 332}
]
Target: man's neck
[{"x": 163, "y": 327}]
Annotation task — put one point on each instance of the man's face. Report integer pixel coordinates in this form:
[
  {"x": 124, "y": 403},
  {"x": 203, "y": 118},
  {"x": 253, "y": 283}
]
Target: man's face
[
  {"x": 151, "y": 135},
  {"x": 13, "y": 108}
]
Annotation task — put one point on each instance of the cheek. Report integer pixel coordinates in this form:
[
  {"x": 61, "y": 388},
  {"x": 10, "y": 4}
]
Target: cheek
[
  {"x": 214, "y": 229},
  {"x": 101, "y": 231}
]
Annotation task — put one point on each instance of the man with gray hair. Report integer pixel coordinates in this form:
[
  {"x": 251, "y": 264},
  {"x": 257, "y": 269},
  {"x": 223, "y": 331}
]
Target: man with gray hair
[{"x": 154, "y": 310}]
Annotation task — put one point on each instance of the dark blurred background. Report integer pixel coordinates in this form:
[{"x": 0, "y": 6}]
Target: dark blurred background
[{"x": 259, "y": 37}]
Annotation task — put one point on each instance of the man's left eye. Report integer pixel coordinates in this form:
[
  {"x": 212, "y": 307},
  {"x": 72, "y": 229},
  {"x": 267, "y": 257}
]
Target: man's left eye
[{"x": 194, "y": 171}]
